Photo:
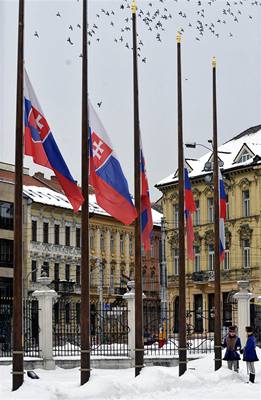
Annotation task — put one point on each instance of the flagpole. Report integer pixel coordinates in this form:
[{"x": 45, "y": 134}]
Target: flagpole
[
  {"x": 85, "y": 284},
  {"x": 182, "y": 274},
  {"x": 217, "y": 333},
  {"x": 18, "y": 354},
  {"x": 139, "y": 346}
]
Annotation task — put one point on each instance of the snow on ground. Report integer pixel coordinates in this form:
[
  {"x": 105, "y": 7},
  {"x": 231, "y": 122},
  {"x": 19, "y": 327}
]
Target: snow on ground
[{"x": 200, "y": 382}]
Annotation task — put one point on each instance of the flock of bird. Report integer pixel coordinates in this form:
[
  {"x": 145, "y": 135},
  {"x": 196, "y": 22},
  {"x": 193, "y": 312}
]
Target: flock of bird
[{"x": 156, "y": 15}]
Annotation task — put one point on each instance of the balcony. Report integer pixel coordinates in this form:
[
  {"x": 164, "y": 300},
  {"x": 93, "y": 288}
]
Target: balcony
[
  {"x": 63, "y": 287},
  {"x": 54, "y": 250},
  {"x": 202, "y": 277}
]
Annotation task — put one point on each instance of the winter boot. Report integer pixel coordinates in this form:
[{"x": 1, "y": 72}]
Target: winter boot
[{"x": 252, "y": 378}]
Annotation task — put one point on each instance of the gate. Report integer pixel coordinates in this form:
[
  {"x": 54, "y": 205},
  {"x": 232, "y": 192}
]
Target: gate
[{"x": 255, "y": 321}]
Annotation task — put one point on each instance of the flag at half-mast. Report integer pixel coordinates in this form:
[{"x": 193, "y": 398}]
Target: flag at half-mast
[
  {"x": 222, "y": 217},
  {"x": 39, "y": 143},
  {"x": 106, "y": 176},
  {"x": 189, "y": 209},
  {"x": 146, "y": 214}
]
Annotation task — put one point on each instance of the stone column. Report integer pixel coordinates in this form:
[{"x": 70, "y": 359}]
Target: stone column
[
  {"x": 46, "y": 298},
  {"x": 130, "y": 298},
  {"x": 243, "y": 299}
]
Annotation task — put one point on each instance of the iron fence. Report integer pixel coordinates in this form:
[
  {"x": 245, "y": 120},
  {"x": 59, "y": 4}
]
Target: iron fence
[
  {"x": 161, "y": 337},
  {"x": 108, "y": 325},
  {"x": 30, "y": 327}
]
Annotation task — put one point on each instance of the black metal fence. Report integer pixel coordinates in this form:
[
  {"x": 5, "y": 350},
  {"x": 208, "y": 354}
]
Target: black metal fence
[
  {"x": 30, "y": 329},
  {"x": 109, "y": 329},
  {"x": 161, "y": 336}
]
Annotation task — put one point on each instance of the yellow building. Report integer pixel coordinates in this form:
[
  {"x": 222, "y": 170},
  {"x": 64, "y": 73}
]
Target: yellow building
[
  {"x": 241, "y": 170},
  {"x": 52, "y": 243}
]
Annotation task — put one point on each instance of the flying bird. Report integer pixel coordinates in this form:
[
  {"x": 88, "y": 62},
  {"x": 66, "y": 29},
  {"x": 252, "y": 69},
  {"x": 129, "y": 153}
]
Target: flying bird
[
  {"x": 70, "y": 27},
  {"x": 58, "y": 14},
  {"x": 69, "y": 40},
  {"x": 36, "y": 34},
  {"x": 99, "y": 104}
]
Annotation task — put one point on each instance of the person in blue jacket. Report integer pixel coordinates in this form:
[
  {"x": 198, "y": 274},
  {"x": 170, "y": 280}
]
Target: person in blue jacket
[
  {"x": 249, "y": 353},
  {"x": 232, "y": 344}
]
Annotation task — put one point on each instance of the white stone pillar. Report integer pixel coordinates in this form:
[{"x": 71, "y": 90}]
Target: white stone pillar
[
  {"x": 130, "y": 298},
  {"x": 243, "y": 300},
  {"x": 46, "y": 298}
]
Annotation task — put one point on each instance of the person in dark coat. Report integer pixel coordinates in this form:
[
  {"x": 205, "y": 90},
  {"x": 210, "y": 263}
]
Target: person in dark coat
[
  {"x": 249, "y": 353},
  {"x": 232, "y": 344}
]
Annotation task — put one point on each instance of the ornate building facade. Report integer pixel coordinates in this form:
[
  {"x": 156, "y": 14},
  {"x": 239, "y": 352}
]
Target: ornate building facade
[
  {"x": 52, "y": 244},
  {"x": 241, "y": 170}
]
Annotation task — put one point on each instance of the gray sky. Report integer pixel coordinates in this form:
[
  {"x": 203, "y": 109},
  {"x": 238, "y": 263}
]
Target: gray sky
[{"x": 54, "y": 67}]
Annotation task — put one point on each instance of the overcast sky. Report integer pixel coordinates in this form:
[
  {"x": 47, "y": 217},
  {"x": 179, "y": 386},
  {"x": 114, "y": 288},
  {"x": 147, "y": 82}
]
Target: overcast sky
[{"x": 54, "y": 67}]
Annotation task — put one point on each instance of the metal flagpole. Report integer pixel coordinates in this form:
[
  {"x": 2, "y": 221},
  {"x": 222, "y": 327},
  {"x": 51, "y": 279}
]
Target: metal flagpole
[
  {"x": 182, "y": 274},
  {"x": 18, "y": 354},
  {"x": 217, "y": 333},
  {"x": 85, "y": 283},
  {"x": 139, "y": 345}
]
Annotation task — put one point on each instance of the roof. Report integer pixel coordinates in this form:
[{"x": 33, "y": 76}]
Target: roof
[
  {"x": 44, "y": 195},
  {"x": 250, "y": 138}
]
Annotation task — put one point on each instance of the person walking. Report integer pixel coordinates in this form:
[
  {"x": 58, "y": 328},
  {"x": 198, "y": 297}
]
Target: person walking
[
  {"x": 232, "y": 343},
  {"x": 249, "y": 353}
]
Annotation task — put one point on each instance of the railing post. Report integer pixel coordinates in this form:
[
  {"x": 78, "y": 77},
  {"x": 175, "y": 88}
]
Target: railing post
[
  {"x": 243, "y": 300},
  {"x": 46, "y": 298},
  {"x": 130, "y": 298}
]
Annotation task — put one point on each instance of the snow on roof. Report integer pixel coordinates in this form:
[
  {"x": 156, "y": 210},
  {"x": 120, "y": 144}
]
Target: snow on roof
[
  {"x": 251, "y": 137},
  {"x": 50, "y": 197}
]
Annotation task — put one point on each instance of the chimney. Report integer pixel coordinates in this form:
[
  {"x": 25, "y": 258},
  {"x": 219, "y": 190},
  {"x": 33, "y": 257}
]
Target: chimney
[
  {"x": 54, "y": 179},
  {"x": 39, "y": 175}
]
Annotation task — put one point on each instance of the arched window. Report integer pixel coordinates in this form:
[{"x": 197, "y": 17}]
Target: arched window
[{"x": 102, "y": 246}]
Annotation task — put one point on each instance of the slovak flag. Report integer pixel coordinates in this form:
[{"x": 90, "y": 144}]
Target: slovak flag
[
  {"x": 106, "y": 176},
  {"x": 146, "y": 215},
  {"x": 39, "y": 143},
  {"x": 189, "y": 209},
  {"x": 222, "y": 217}
]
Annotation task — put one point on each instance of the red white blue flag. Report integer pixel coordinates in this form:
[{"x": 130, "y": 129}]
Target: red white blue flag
[
  {"x": 189, "y": 209},
  {"x": 222, "y": 217},
  {"x": 146, "y": 215},
  {"x": 106, "y": 176},
  {"x": 40, "y": 144}
]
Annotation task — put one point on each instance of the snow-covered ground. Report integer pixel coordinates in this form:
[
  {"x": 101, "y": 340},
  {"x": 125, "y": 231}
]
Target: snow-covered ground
[{"x": 154, "y": 383}]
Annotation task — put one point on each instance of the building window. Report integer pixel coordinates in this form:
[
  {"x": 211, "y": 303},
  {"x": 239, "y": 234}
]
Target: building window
[
  {"x": 46, "y": 268},
  {"x": 34, "y": 231},
  {"x": 196, "y": 259},
  {"x": 78, "y": 313},
  {"x": 131, "y": 247},
  {"x": 246, "y": 253},
  {"x": 210, "y": 210},
  {"x": 176, "y": 261},
  {"x": 121, "y": 245},
  {"x": 246, "y": 203},
  {"x": 227, "y": 259},
  {"x": 144, "y": 279},
  {"x": 197, "y": 213},
  {"x": 6, "y": 253},
  {"x": 56, "y": 234},
  {"x": 56, "y": 272},
  {"x": 78, "y": 275},
  {"x": 67, "y": 313},
  {"x": 112, "y": 279},
  {"x": 34, "y": 271},
  {"x": 67, "y": 235},
  {"x": 227, "y": 207},
  {"x": 102, "y": 245},
  {"x": 91, "y": 240},
  {"x": 78, "y": 237},
  {"x": 152, "y": 281},
  {"x": 112, "y": 243},
  {"x": 211, "y": 257},
  {"x": 67, "y": 272},
  {"x": 244, "y": 157},
  {"x": 92, "y": 278},
  {"x": 6, "y": 215},
  {"x": 176, "y": 215},
  {"x": 45, "y": 232}
]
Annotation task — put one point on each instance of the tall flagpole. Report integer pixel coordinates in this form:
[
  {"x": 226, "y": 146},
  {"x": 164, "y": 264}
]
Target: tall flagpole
[
  {"x": 182, "y": 274},
  {"x": 217, "y": 333},
  {"x": 139, "y": 346},
  {"x": 85, "y": 284},
  {"x": 18, "y": 354}
]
